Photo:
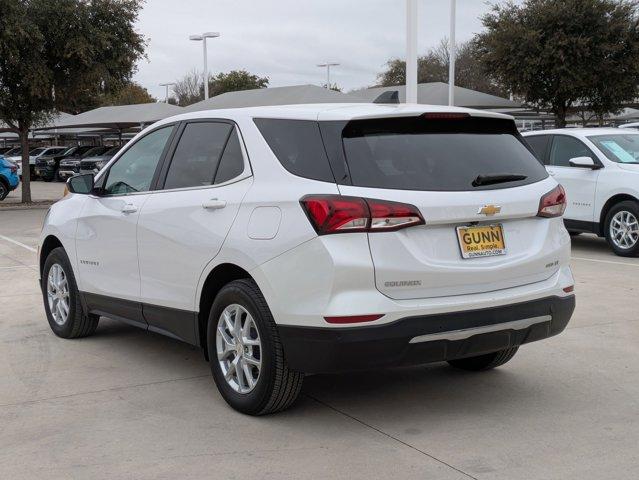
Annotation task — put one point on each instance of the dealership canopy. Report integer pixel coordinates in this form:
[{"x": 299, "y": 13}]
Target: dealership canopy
[
  {"x": 436, "y": 93},
  {"x": 118, "y": 118},
  {"x": 293, "y": 95}
]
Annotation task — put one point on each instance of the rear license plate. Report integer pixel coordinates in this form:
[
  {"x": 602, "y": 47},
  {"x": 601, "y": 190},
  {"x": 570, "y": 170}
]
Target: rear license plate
[{"x": 481, "y": 241}]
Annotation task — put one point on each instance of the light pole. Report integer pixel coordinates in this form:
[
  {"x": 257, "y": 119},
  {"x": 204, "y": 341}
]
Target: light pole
[
  {"x": 328, "y": 66},
  {"x": 202, "y": 38},
  {"x": 411, "y": 51},
  {"x": 452, "y": 53},
  {"x": 167, "y": 85}
]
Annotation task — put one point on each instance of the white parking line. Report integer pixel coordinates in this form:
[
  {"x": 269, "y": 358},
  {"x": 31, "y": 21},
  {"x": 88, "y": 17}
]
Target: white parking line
[
  {"x": 606, "y": 261},
  {"x": 15, "y": 242}
]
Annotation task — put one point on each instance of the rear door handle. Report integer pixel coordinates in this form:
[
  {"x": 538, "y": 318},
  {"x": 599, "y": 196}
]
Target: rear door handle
[
  {"x": 214, "y": 204},
  {"x": 129, "y": 208}
]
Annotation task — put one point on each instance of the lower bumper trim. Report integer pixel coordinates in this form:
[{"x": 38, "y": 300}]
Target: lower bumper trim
[
  {"x": 424, "y": 339},
  {"x": 469, "y": 332}
]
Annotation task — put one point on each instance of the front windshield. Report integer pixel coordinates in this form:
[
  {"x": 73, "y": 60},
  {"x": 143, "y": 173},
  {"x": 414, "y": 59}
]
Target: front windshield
[
  {"x": 112, "y": 151},
  {"x": 36, "y": 151},
  {"x": 94, "y": 151},
  {"x": 620, "y": 148}
]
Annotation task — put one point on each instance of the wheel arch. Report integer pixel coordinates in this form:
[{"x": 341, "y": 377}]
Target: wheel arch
[
  {"x": 50, "y": 243},
  {"x": 5, "y": 182},
  {"x": 611, "y": 202},
  {"x": 215, "y": 280}
]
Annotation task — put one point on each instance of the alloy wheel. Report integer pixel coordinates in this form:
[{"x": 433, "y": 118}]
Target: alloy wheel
[
  {"x": 624, "y": 230},
  {"x": 239, "y": 349},
  {"x": 58, "y": 294}
]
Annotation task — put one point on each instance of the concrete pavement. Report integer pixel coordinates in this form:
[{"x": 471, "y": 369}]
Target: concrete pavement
[{"x": 130, "y": 404}]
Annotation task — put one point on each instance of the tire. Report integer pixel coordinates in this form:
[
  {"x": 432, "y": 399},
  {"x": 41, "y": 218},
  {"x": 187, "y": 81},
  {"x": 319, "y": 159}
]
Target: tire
[
  {"x": 4, "y": 190},
  {"x": 572, "y": 233},
  {"x": 276, "y": 386},
  {"x": 484, "y": 362},
  {"x": 627, "y": 246},
  {"x": 46, "y": 179},
  {"x": 76, "y": 324}
]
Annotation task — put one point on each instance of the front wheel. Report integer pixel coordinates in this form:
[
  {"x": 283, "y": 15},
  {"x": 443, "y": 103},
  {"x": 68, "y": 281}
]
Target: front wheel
[
  {"x": 62, "y": 299},
  {"x": 484, "y": 362},
  {"x": 247, "y": 359},
  {"x": 622, "y": 229}
]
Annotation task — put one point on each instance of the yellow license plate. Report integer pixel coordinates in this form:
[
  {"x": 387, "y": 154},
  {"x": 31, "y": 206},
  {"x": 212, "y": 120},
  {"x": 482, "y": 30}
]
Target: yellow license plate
[{"x": 481, "y": 241}]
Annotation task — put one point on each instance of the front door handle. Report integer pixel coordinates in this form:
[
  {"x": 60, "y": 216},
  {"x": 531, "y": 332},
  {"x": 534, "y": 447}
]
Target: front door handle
[
  {"x": 214, "y": 204},
  {"x": 129, "y": 208}
]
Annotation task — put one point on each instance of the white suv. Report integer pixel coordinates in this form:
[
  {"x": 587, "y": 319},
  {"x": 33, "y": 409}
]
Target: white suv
[
  {"x": 599, "y": 168},
  {"x": 317, "y": 238}
]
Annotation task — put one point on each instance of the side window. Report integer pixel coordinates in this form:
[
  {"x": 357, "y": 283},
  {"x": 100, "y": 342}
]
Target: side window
[
  {"x": 197, "y": 155},
  {"x": 564, "y": 148},
  {"x": 232, "y": 162},
  {"x": 134, "y": 170},
  {"x": 298, "y": 146},
  {"x": 539, "y": 144}
]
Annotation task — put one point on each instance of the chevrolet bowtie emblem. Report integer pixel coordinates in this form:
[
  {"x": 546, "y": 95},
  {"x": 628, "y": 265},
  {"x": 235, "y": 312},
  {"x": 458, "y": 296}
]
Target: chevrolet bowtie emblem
[{"x": 489, "y": 210}]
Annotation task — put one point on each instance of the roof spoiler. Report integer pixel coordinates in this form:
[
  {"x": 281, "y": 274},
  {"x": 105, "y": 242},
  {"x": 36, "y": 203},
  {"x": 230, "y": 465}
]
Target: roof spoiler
[{"x": 390, "y": 96}]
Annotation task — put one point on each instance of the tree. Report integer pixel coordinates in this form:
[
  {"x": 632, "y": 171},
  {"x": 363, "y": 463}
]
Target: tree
[
  {"x": 61, "y": 55},
  {"x": 234, "y": 81},
  {"x": 433, "y": 67},
  {"x": 187, "y": 89},
  {"x": 559, "y": 54},
  {"x": 131, "y": 94},
  {"x": 334, "y": 86},
  {"x": 190, "y": 88}
]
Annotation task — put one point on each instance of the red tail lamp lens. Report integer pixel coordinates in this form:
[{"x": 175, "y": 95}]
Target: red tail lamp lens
[
  {"x": 553, "y": 204},
  {"x": 341, "y": 214}
]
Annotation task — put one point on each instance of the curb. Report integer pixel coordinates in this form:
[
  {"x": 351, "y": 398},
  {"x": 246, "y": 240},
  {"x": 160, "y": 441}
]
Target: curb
[{"x": 28, "y": 206}]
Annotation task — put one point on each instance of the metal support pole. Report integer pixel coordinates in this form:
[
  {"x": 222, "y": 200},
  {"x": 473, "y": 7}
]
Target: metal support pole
[
  {"x": 206, "y": 72},
  {"x": 452, "y": 53},
  {"x": 411, "y": 51}
]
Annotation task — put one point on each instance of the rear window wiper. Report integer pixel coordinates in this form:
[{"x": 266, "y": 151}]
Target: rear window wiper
[{"x": 499, "y": 178}]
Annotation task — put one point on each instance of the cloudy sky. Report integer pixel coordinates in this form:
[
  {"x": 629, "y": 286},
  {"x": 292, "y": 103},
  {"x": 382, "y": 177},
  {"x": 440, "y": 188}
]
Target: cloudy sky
[{"x": 284, "y": 39}]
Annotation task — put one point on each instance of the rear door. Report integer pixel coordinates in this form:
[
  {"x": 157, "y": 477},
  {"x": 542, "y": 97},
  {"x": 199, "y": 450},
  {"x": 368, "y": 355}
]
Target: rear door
[
  {"x": 183, "y": 225},
  {"x": 434, "y": 164},
  {"x": 580, "y": 183}
]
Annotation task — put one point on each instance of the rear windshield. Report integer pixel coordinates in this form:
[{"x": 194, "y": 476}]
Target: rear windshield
[
  {"x": 419, "y": 153},
  {"x": 407, "y": 153}
]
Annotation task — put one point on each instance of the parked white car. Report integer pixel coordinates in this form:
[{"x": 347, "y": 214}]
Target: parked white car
[
  {"x": 599, "y": 168},
  {"x": 34, "y": 154},
  {"x": 316, "y": 238}
]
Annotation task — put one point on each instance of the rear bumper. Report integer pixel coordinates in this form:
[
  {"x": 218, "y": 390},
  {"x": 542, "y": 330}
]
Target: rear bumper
[{"x": 425, "y": 339}]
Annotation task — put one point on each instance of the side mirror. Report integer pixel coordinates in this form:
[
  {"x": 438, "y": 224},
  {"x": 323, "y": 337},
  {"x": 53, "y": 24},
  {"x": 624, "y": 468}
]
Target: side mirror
[
  {"x": 583, "y": 162},
  {"x": 81, "y": 184}
]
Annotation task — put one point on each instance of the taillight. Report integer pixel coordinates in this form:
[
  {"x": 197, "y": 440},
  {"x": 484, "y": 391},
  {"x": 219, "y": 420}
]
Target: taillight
[
  {"x": 387, "y": 216},
  {"x": 553, "y": 204},
  {"x": 341, "y": 214},
  {"x": 14, "y": 169}
]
